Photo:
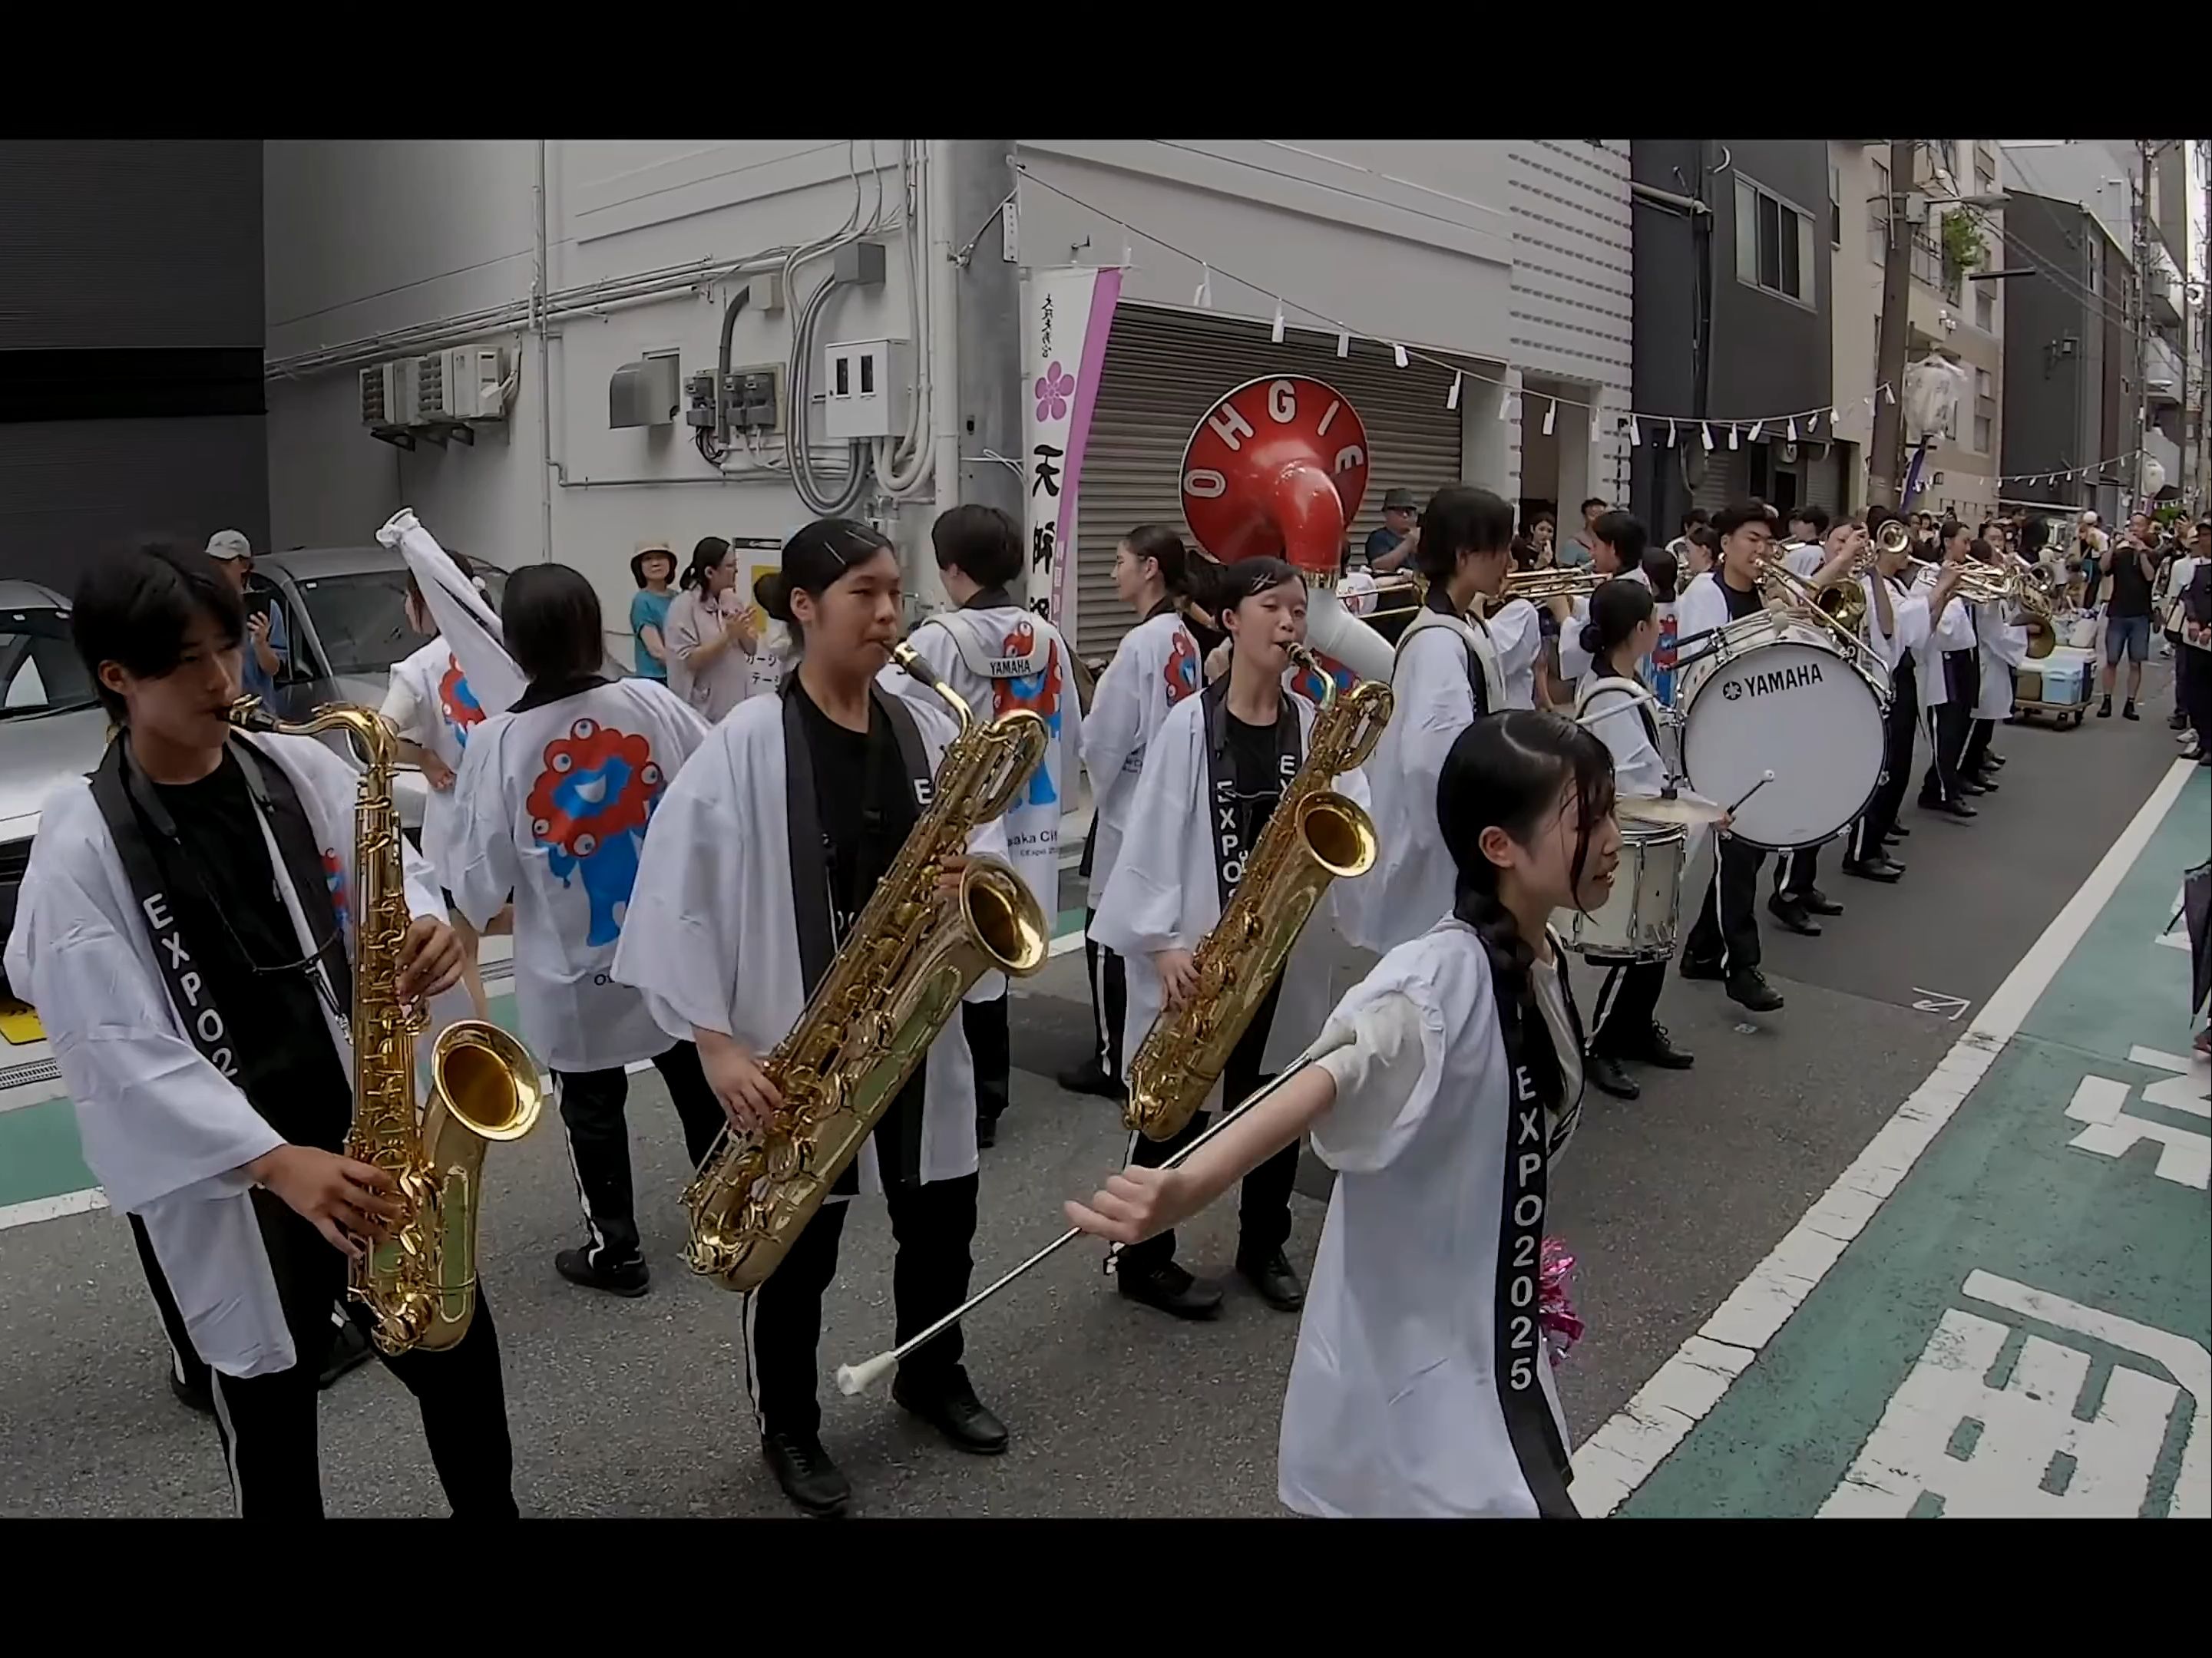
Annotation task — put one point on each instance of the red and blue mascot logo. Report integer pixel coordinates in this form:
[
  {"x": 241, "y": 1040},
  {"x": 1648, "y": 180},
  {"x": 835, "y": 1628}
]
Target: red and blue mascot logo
[
  {"x": 1309, "y": 684},
  {"x": 1183, "y": 670},
  {"x": 588, "y": 809},
  {"x": 458, "y": 703},
  {"x": 1039, "y": 693},
  {"x": 334, "y": 877}
]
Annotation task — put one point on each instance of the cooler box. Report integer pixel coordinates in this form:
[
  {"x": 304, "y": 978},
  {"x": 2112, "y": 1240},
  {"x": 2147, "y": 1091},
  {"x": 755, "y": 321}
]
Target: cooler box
[
  {"x": 2027, "y": 685},
  {"x": 2064, "y": 682}
]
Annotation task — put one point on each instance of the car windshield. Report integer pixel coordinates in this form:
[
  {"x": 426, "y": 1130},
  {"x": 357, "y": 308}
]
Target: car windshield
[
  {"x": 40, "y": 672},
  {"x": 362, "y": 619}
]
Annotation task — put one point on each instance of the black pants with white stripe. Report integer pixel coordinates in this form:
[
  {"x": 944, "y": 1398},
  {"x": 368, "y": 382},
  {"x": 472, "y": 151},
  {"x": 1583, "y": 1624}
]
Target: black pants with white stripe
[
  {"x": 1110, "y": 998},
  {"x": 1977, "y": 749},
  {"x": 1727, "y": 931},
  {"x": 267, "y": 1424},
  {"x": 191, "y": 1370},
  {"x": 1626, "y": 1004},
  {"x": 990, "y": 1045},
  {"x": 934, "y": 1227},
  {"x": 1901, "y": 730},
  {"x": 593, "y": 1113},
  {"x": 1263, "y": 1211},
  {"x": 1796, "y": 873},
  {"x": 1950, "y": 725}
]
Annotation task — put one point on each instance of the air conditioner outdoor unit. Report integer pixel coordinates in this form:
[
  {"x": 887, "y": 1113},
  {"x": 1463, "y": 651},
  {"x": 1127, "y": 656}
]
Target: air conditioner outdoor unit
[
  {"x": 462, "y": 384},
  {"x": 408, "y": 401},
  {"x": 380, "y": 406}
]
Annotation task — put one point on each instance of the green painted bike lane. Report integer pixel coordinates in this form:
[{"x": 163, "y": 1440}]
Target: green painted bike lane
[{"x": 2022, "y": 1327}]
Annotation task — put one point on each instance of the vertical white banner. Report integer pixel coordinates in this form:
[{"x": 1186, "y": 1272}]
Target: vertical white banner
[{"x": 1066, "y": 314}]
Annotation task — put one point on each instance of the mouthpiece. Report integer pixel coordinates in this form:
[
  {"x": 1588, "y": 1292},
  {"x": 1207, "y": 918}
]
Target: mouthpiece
[{"x": 854, "y": 1379}]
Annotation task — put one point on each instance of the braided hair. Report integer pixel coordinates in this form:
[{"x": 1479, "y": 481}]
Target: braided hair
[{"x": 1507, "y": 770}]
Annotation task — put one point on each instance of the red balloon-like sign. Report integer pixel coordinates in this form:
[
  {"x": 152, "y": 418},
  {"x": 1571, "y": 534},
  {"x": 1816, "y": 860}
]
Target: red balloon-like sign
[{"x": 1276, "y": 469}]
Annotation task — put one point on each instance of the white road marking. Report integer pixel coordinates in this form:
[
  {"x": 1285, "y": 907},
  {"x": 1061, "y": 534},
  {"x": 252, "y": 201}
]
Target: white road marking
[
  {"x": 1621, "y": 1454},
  {"x": 1934, "y": 1001},
  {"x": 38, "y": 1209}
]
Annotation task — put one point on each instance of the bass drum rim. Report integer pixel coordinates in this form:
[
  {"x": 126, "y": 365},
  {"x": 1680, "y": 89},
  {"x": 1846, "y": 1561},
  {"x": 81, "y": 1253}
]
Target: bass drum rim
[{"x": 1720, "y": 661}]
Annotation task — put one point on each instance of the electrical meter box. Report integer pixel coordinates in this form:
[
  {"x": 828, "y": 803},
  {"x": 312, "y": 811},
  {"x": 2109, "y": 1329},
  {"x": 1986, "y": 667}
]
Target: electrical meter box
[{"x": 864, "y": 387}]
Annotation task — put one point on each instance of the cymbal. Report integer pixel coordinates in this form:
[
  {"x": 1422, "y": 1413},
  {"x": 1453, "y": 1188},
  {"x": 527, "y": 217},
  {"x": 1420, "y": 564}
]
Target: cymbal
[{"x": 1688, "y": 810}]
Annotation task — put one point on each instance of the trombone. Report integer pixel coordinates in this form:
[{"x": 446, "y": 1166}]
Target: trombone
[{"x": 1403, "y": 595}]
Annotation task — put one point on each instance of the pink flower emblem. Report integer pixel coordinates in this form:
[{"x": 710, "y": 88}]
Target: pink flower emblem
[{"x": 1056, "y": 387}]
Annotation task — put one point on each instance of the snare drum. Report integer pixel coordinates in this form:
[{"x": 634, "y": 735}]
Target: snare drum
[
  {"x": 1787, "y": 701},
  {"x": 1637, "y": 923}
]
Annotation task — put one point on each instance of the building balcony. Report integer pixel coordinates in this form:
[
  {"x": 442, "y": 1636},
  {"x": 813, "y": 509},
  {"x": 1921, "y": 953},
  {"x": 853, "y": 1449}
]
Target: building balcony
[
  {"x": 2162, "y": 371},
  {"x": 2163, "y": 286}
]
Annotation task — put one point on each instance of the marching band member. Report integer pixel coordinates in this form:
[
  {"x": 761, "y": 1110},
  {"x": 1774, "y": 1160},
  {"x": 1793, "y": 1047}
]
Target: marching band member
[
  {"x": 1895, "y": 628},
  {"x": 1950, "y": 683},
  {"x": 1616, "y": 552},
  {"x": 431, "y": 706},
  {"x": 1446, "y": 674},
  {"x": 761, "y": 856},
  {"x": 1421, "y": 1385},
  {"x": 1724, "y": 943},
  {"x": 203, "y": 869},
  {"x": 2002, "y": 647},
  {"x": 1623, "y": 629},
  {"x": 1000, "y": 656},
  {"x": 1156, "y": 666},
  {"x": 1831, "y": 547},
  {"x": 554, "y": 798},
  {"x": 1211, "y": 779}
]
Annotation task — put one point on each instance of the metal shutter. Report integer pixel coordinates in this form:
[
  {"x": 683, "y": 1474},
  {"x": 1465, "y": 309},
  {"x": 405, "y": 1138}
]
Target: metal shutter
[
  {"x": 1727, "y": 473},
  {"x": 1165, "y": 369}
]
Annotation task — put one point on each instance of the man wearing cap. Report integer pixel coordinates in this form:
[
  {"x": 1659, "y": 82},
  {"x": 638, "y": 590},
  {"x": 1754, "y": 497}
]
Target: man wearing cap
[
  {"x": 1389, "y": 547},
  {"x": 266, "y": 644}
]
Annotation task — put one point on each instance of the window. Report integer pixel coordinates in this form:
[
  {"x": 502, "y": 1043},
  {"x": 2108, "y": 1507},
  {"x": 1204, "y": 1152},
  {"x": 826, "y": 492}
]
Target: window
[
  {"x": 1985, "y": 307},
  {"x": 1835, "y": 204},
  {"x": 1773, "y": 243},
  {"x": 1985, "y": 384},
  {"x": 1982, "y": 435},
  {"x": 1878, "y": 216}
]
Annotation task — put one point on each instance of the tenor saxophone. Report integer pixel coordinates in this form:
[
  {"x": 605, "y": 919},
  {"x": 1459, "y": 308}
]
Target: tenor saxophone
[
  {"x": 1315, "y": 836},
  {"x": 420, "y": 1283},
  {"x": 911, "y": 956}
]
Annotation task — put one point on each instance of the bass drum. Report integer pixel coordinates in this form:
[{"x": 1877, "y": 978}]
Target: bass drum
[{"x": 1788, "y": 702}]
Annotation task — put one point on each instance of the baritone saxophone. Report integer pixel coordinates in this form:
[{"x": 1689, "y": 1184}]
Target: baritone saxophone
[
  {"x": 1314, "y": 836},
  {"x": 420, "y": 1283},
  {"x": 910, "y": 956}
]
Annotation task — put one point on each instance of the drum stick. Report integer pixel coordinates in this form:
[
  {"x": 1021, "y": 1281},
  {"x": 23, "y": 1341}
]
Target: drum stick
[
  {"x": 1764, "y": 778},
  {"x": 859, "y": 1378}
]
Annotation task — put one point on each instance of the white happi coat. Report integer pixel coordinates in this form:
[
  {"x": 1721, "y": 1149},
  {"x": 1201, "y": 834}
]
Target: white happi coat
[
  {"x": 1951, "y": 631},
  {"x": 1574, "y": 661},
  {"x": 1165, "y": 893},
  {"x": 2004, "y": 647},
  {"x": 1155, "y": 668},
  {"x": 712, "y": 936},
  {"x": 999, "y": 659},
  {"x": 1909, "y": 624},
  {"x": 1516, "y": 636},
  {"x": 1395, "y": 1408},
  {"x": 165, "y": 1131},
  {"x": 1638, "y": 767},
  {"x": 1433, "y": 701},
  {"x": 555, "y": 805},
  {"x": 431, "y": 706}
]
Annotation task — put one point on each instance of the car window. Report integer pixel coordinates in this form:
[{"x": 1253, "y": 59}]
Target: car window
[
  {"x": 39, "y": 671},
  {"x": 362, "y": 619}
]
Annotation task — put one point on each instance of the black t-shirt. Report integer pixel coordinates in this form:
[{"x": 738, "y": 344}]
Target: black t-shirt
[
  {"x": 2130, "y": 586},
  {"x": 1258, "y": 770},
  {"x": 1739, "y": 604},
  {"x": 233, "y": 922},
  {"x": 865, "y": 800}
]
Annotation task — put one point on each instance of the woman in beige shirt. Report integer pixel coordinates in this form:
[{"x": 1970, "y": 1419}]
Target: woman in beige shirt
[{"x": 710, "y": 635}]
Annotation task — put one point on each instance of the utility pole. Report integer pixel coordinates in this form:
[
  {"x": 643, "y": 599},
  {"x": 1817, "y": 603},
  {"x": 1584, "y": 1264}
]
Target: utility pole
[
  {"x": 1885, "y": 464},
  {"x": 2142, "y": 324}
]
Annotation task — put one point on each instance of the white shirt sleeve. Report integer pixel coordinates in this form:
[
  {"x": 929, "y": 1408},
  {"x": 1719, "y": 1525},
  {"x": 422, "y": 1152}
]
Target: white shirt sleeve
[
  {"x": 1376, "y": 1074},
  {"x": 402, "y": 706}
]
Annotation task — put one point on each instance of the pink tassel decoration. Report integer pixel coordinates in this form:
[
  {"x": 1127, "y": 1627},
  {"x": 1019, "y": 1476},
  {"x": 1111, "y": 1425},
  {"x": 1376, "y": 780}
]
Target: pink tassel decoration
[{"x": 1555, "y": 1311}]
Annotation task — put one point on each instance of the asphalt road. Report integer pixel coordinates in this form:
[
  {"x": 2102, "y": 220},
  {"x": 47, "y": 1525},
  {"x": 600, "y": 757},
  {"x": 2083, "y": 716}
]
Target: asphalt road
[{"x": 638, "y": 1407}]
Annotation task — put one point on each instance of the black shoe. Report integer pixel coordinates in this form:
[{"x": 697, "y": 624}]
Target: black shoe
[
  {"x": 631, "y": 1279},
  {"x": 1895, "y": 832},
  {"x": 1968, "y": 786},
  {"x": 1171, "y": 1289},
  {"x": 1700, "y": 966},
  {"x": 1874, "y": 869},
  {"x": 1819, "y": 902},
  {"x": 804, "y": 1471},
  {"x": 1748, "y": 986},
  {"x": 1949, "y": 808},
  {"x": 1274, "y": 1278},
  {"x": 950, "y": 1406},
  {"x": 2177, "y": 722},
  {"x": 197, "y": 1394},
  {"x": 1605, "y": 1073},
  {"x": 2128, "y": 710},
  {"x": 2104, "y": 709},
  {"x": 1091, "y": 1077},
  {"x": 1792, "y": 916},
  {"x": 350, "y": 1349},
  {"x": 1997, "y": 760},
  {"x": 1659, "y": 1050},
  {"x": 1987, "y": 777},
  {"x": 986, "y": 1132}
]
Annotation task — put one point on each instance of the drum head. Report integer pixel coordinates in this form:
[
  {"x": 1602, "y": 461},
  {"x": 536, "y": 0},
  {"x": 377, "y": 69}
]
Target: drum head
[{"x": 1799, "y": 710}]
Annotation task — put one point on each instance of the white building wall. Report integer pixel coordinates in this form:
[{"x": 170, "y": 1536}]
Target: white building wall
[
  {"x": 1572, "y": 314},
  {"x": 364, "y": 237}
]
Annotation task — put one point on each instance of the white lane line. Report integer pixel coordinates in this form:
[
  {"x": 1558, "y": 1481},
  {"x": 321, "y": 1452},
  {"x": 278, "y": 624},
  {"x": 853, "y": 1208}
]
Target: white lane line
[
  {"x": 1621, "y": 1454},
  {"x": 38, "y": 1209}
]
